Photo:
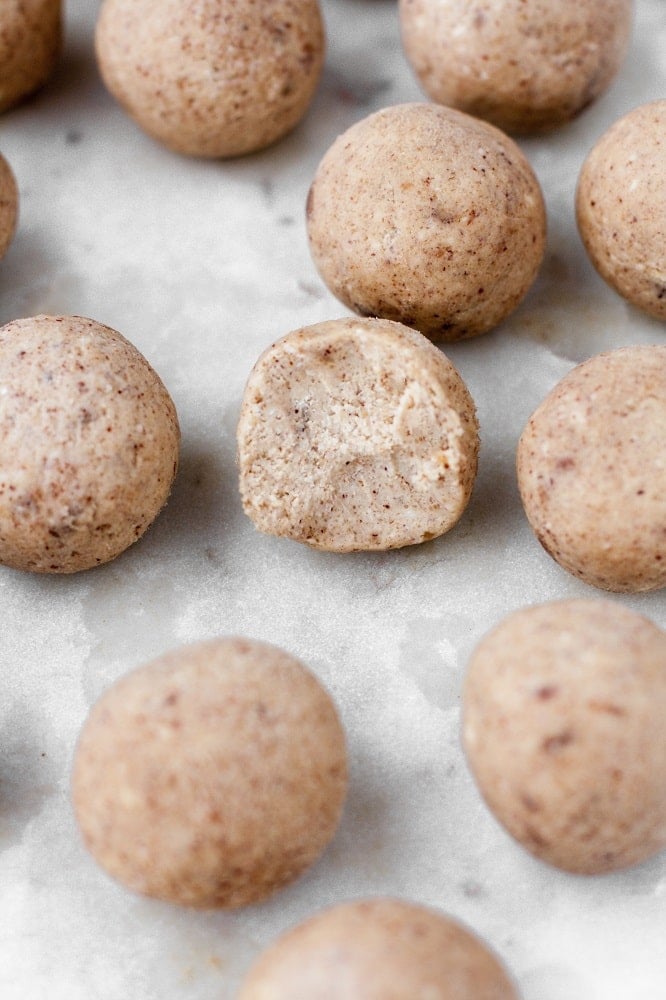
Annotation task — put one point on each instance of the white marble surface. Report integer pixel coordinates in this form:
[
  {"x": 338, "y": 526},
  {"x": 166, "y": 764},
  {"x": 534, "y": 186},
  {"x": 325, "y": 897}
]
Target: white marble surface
[{"x": 202, "y": 265}]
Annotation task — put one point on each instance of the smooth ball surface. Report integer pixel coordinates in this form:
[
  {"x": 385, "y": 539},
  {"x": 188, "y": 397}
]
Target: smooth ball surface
[
  {"x": 356, "y": 434},
  {"x": 621, "y": 207},
  {"x": 212, "y": 78},
  {"x": 429, "y": 217},
  {"x": 212, "y": 776},
  {"x": 378, "y": 949},
  {"x": 523, "y": 66},
  {"x": 591, "y": 470},
  {"x": 9, "y": 200},
  {"x": 563, "y": 728},
  {"x": 90, "y": 444},
  {"x": 30, "y": 43}
]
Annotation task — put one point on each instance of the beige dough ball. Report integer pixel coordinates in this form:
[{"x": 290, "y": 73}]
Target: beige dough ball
[
  {"x": 356, "y": 434},
  {"x": 523, "y": 66},
  {"x": 427, "y": 216},
  {"x": 8, "y": 206},
  {"x": 563, "y": 727},
  {"x": 216, "y": 78},
  {"x": 378, "y": 949},
  {"x": 89, "y": 444},
  {"x": 621, "y": 207},
  {"x": 592, "y": 474},
  {"x": 30, "y": 42},
  {"x": 212, "y": 776}
]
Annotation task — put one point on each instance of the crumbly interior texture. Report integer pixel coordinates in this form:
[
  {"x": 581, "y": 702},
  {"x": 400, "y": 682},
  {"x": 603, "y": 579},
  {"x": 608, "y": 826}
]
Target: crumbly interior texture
[
  {"x": 30, "y": 43},
  {"x": 90, "y": 444},
  {"x": 356, "y": 434},
  {"x": 563, "y": 728},
  {"x": 523, "y": 66},
  {"x": 213, "y": 776},
  {"x": 8, "y": 206},
  {"x": 621, "y": 207},
  {"x": 591, "y": 470},
  {"x": 378, "y": 948},
  {"x": 212, "y": 78},
  {"x": 429, "y": 217}
]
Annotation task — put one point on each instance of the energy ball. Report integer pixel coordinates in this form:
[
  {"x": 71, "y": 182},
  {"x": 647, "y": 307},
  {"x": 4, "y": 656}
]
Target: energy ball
[
  {"x": 563, "y": 728},
  {"x": 212, "y": 776},
  {"x": 621, "y": 207},
  {"x": 8, "y": 206},
  {"x": 216, "y": 78},
  {"x": 525, "y": 67},
  {"x": 356, "y": 434},
  {"x": 90, "y": 444},
  {"x": 378, "y": 948},
  {"x": 429, "y": 217},
  {"x": 30, "y": 43},
  {"x": 592, "y": 474}
]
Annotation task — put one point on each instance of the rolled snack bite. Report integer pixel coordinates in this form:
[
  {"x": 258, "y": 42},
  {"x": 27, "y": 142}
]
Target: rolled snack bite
[
  {"x": 212, "y": 776},
  {"x": 9, "y": 200},
  {"x": 592, "y": 474},
  {"x": 356, "y": 434},
  {"x": 427, "y": 216},
  {"x": 563, "y": 729},
  {"x": 30, "y": 43}
]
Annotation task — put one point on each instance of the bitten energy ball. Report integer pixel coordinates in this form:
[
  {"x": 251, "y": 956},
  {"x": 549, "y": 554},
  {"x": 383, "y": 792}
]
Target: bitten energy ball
[
  {"x": 523, "y": 66},
  {"x": 592, "y": 474},
  {"x": 563, "y": 728},
  {"x": 8, "y": 206},
  {"x": 89, "y": 444},
  {"x": 621, "y": 207},
  {"x": 213, "y": 776},
  {"x": 356, "y": 434},
  {"x": 30, "y": 42},
  {"x": 216, "y": 78},
  {"x": 378, "y": 948},
  {"x": 424, "y": 215}
]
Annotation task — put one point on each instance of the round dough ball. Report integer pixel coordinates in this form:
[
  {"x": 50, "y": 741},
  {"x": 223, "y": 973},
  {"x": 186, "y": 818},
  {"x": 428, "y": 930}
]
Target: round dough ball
[
  {"x": 427, "y": 216},
  {"x": 621, "y": 207},
  {"x": 89, "y": 444},
  {"x": 523, "y": 66},
  {"x": 356, "y": 434},
  {"x": 8, "y": 206},
  {"x": 212, "y": 78},
  {"x": 563, "y": 728},
  {"x": 212, "y": 776},
  {"x": 592, "y": 474},
  {"x": 30, "y": 43},
  {"x": 386, "y": 949}
]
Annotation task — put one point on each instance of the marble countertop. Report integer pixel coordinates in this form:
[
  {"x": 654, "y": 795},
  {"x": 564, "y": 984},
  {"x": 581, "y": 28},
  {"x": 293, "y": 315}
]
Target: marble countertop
[{"x": 202, "y": 265}]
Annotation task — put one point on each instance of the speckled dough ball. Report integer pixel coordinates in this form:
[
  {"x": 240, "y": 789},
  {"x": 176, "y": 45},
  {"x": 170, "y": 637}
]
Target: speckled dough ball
[
  {"x": 89, "y": 444},
  {"x": 212, "y": 776},
  {"x": 424, "y": 215},
  {"x": 8, "y": 206},
  {"x": 214, "y": 78},
  {"x": 563, "y": 727},
  {"x": 356, "y": 434},
  {"x": 30, "y": 42},
  {"x": 592, "y": 474},
  {"x": 378, "y": 949},
  {"x": 621, "y": 207},
  {"x": 523, "y": 66}
]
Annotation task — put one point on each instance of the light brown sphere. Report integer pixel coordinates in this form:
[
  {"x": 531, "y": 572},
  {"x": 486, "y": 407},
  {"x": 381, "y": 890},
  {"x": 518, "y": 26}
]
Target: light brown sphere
[
  {"x": 212, "y": 776},
  {"x": 356, "y": 434},
  {"x": 90, "y": 444},
  {"x": 523, "y": 66},
  {"x": 592, "y": 474},
  {"x": 30, "y": 43},
  {"x": 378, "y": 949},
  {"x": 213, "y": 78},
  {"x": 9, "y": 198},
  {"x": 621, "y": 207},
  {"x": 563, "y": 727},
  {"x": 427, "y": 216}
]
